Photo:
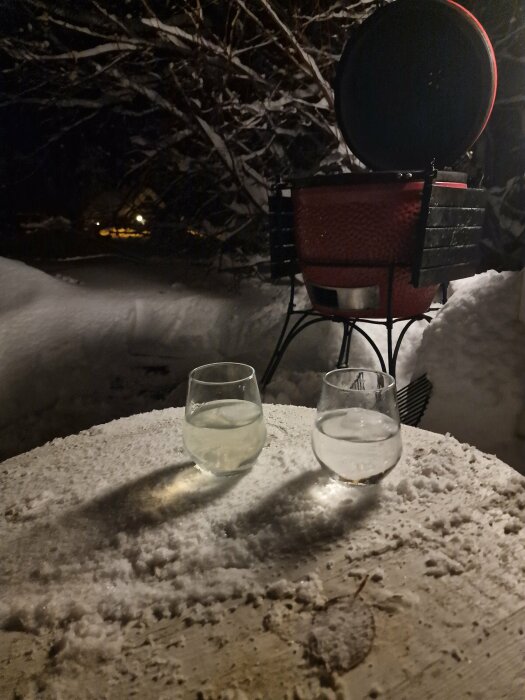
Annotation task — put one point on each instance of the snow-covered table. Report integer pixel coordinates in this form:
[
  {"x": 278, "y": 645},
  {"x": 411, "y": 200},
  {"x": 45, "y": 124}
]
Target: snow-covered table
[{"x": 127, "y": 573}]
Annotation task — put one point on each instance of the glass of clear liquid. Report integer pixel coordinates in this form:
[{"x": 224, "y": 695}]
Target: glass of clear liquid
[
  {"x": 356, "y": 435},
  {"x": 224, "y": 429}
]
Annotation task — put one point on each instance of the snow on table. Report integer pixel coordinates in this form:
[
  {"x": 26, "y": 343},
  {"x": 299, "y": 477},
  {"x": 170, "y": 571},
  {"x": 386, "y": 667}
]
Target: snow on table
[{"x": 126, "y": 571}]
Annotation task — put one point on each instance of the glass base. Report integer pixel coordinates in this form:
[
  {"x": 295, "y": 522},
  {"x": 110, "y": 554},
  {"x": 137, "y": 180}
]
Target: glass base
[
  {"x": 225, "y": 473},
  {"x": 367, "y": 481}
]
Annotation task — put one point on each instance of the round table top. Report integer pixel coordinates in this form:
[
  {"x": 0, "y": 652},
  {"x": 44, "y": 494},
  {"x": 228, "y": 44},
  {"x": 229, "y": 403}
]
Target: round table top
[{"x": 126, "y": 572}]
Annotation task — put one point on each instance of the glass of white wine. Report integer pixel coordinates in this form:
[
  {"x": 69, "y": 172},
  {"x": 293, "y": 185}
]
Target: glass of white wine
[
  {"x": 224, "y": 429},
  {"x": 357, "y": 435}
]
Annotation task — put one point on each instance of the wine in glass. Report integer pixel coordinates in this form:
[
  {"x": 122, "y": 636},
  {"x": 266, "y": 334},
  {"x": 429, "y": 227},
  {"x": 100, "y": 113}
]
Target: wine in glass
[
  {"x": 357, "y": 434},
  {"x": 224, "y": 429}
]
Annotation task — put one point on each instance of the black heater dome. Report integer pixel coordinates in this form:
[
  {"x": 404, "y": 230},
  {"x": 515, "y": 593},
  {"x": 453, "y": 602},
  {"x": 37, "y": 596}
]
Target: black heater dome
[{"x": 416, "y": 82}]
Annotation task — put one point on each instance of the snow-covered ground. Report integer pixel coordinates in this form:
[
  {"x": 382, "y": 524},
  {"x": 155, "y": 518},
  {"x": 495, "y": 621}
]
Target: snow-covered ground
[{"x": 86, "y": 341}]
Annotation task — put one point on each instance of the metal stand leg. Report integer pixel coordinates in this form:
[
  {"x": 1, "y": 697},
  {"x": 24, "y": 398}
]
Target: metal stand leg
[
  {"x": 274, "y": 359},
  {"x": 372, "y": 345},
  {"x": 349, "y": 326},
  {"x": 348, "y": 341},
  {"x": 402, "y": 335},
  {"x": 281, "y": 348},
  {"x": 344, "y": 353},
  {"x": 390, "y": 323}
]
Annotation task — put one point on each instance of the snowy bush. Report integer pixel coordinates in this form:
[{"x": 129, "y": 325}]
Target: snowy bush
[
  {"x": 201, "y": 103},
  {"x": 191, "y": 109}
]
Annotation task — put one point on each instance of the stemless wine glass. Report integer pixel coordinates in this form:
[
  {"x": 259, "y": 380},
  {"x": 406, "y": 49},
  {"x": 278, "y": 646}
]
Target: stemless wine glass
[
  {"x": 224, "y": 428},
  {"x": 357, "y": 434}
]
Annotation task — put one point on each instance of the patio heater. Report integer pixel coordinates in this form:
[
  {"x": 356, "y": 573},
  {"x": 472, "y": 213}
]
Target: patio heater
[{"x": 414, "y": 89}]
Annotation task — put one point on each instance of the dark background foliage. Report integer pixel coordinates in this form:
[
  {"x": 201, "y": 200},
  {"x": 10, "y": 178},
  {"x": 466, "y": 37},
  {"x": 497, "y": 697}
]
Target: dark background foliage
[{"x": 184, "y": 112}]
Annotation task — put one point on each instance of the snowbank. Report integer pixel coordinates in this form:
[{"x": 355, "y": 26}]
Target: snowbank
[
  {"x": 474, "y": 355},
  {"x": 101, "y": 339},
  {"x": 113, "y": 340}
]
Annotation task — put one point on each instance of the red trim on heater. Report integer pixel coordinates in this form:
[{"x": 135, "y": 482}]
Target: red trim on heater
[
  {"x": 492, "y": 55},
  {"x": 455, "y": 185}
]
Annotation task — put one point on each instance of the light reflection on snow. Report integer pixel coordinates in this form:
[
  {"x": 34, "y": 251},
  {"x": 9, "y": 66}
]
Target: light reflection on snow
[
  {"x": 185, "y": 484},
  {"x": 344, "y": 503},
  {"x": 330, "y": 492}
]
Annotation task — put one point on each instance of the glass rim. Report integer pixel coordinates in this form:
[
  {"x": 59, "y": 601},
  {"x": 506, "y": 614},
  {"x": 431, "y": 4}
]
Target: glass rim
[
  {"x": 391, "y": 380},
  {"x": 250, "y": 375}
]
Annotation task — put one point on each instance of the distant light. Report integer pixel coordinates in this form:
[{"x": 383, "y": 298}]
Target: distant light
[
  {"x": 140, "y": 219},
  {"x": 97, "y": 223},
  {"x": 193, "y": 232},
  {"x": 115, "y": 232}
]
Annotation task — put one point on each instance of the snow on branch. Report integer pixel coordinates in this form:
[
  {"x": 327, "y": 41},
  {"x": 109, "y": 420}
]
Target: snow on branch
[
  {"x": 203, "y": 103},
  {"x": 89, "y": 53},
  {"x": 306, "y": 59},
  {"x": 178, "y": 34}
]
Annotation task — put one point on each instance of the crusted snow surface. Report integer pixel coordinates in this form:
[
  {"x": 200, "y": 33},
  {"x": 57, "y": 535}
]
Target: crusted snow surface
[
  {"x": 336, "y": 644},
  {"x": 113, "y": 527}
]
